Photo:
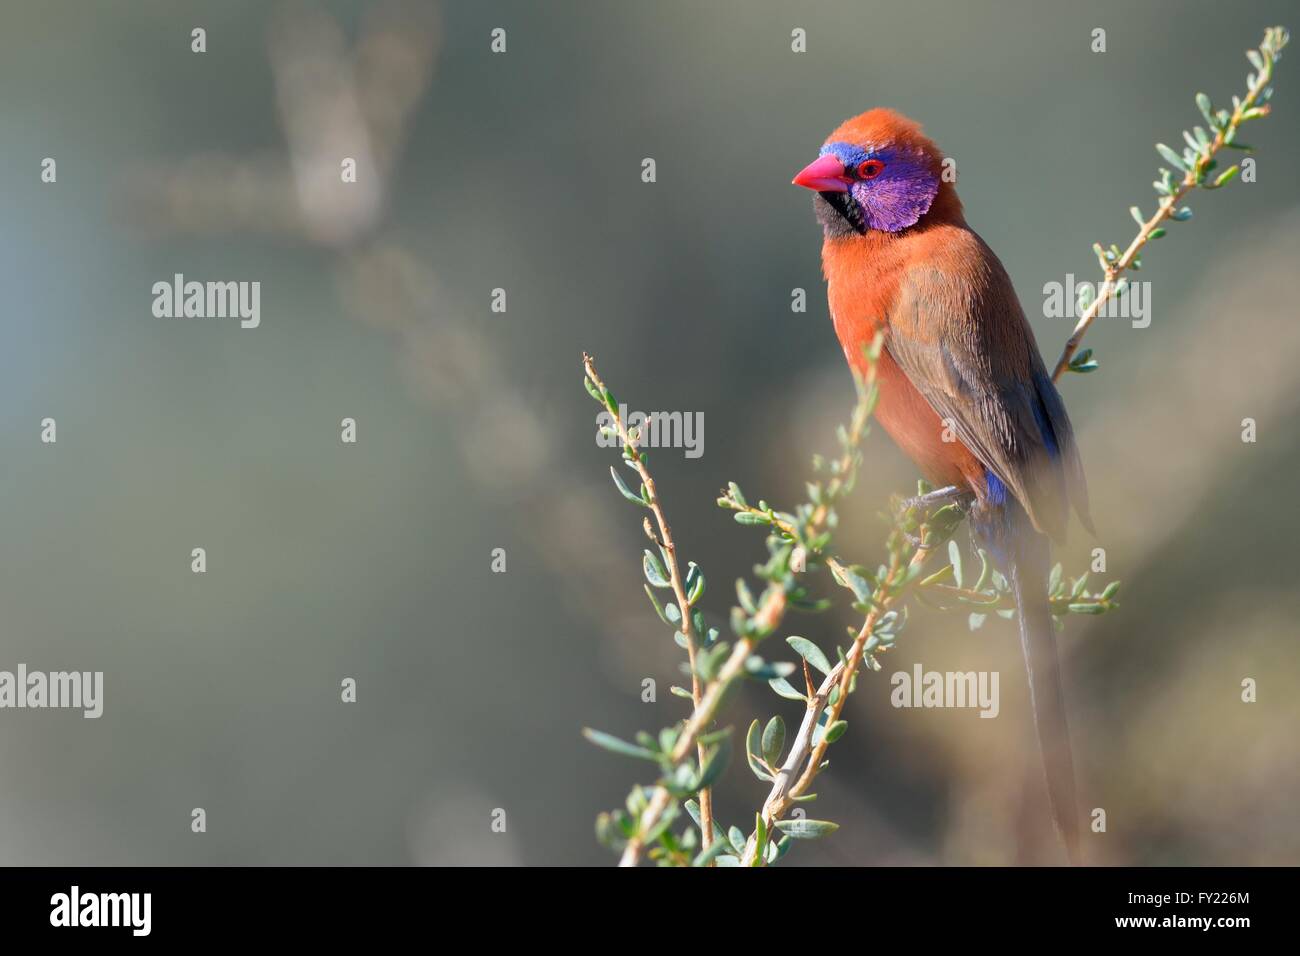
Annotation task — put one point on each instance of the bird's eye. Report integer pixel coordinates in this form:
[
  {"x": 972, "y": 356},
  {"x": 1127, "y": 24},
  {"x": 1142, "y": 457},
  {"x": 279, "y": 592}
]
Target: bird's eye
[{"x": 870, "y": 169}]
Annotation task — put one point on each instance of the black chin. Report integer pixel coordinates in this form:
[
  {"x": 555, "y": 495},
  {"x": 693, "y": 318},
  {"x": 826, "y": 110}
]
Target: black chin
[{"x": 838, "y": 214}]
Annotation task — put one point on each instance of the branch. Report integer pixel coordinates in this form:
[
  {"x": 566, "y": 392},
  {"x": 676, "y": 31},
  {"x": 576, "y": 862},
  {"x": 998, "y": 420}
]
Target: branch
[
  {"x": 752, "y": 622},
  {"x": 1196, "y": 163},
  {"x": 808, "y": 751},
  {"x": 675, "y": 580}
]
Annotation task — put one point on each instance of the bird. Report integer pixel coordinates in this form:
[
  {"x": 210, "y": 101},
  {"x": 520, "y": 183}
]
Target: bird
[{"x": 962, "y": 388}]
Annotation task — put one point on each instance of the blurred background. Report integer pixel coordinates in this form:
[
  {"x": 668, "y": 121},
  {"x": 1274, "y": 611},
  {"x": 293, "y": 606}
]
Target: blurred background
[{"x": 522, "y": 171}]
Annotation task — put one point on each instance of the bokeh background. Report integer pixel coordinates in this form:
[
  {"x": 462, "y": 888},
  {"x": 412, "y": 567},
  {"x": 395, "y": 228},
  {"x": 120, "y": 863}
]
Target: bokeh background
[{"x": 522, "y": 171}]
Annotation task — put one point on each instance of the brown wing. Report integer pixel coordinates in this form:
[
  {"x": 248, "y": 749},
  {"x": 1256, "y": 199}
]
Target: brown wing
[{"x": 962, "y": 340}]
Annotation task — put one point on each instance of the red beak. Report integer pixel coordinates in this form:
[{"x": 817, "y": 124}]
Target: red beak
[{"x": 825, "y": 175}]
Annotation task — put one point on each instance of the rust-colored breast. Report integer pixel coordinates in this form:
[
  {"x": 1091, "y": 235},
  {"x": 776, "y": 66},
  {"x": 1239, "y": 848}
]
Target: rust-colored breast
[{"x": 863, "y": 276}]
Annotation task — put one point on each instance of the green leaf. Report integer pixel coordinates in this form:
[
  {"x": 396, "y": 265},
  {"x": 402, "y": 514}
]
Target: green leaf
[
  {"x": 745, "y": 596},
  {"x": 709, "y": 662},
  {"x": 734, "y": 490},
  {"x": 713, "y": 736},
  {"x": 716, "y": 849},
  {"x": 760, "y": 840},
  {"x": 753, "y": 752},
  {"x": 623, "y": 488},
  {"x": 657, "y": 606},
  {"x": 1172, "y": 158},
  {"x": 660, "y": 826},
  {"x": 654, "y": 571},
  {"x": 855, "y": 580},
  {"x": 783, "y": 689},
  {"x": 760, "y": 669},
  {"x": 668, "y": 739},
  {"x": 737, "y": 838},
  {"x": 592, "y": 390},
  {"x": 1085, "y": 296},
  {"x": 806, "y": 829},
  {"x": 984, "y": 570},
  {"x": 1136, "y": 213},
  {"x": 1181, "y": 215},
  {"x": 836, "y": 730},
  {"x": 773, "y": 739},
  {"x": 707, "y": 856},
  {"x": 611, "y": 743},
  {"x": 740, "y": 622},
  {"x": 611, "y": 403},
  {"x": 1226, "y": 176},
  {"x": 943, "y": 572},
  {"x": 749, "y": 517},
  {"x": 1087, "y": 609},
  {"x": 810, "y": 652},
  {"x": 605, "y": 835},
  {"x": 716, "y": 763},
  {"x": 1207, "y": 109},
  {"x": 693, "y": 808},
  {"x": 1082, "y": 362},
  {"x": 694, "y": 583}
]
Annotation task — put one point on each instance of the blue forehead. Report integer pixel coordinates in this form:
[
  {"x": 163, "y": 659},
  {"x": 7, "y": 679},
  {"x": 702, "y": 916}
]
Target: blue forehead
[{"x": 848, "y": 153}]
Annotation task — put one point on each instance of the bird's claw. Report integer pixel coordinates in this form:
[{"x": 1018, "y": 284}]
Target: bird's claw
[
  {"x": 952, "y": 495},
  {"x": 959, "y": 498}
]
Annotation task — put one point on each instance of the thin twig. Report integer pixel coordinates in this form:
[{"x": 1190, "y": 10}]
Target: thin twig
[
  {"x": 789, "y": 782},
  {"x": 766, "y": 619},
  {"x": 674, "y": 579},
  {"x": 1195, "y": 176}
]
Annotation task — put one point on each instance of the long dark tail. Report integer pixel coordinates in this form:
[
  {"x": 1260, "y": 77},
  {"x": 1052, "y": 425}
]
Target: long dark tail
[{"x": 1028, "y": 564}]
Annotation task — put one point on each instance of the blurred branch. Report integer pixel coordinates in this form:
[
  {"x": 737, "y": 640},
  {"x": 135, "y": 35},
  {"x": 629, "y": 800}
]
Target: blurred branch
[
  {"x": 916, "y": 535},
  {"x": 991, "y": 592},
  {"x": 1195, "y": 164},
  {"x": 334, "y": 101}
]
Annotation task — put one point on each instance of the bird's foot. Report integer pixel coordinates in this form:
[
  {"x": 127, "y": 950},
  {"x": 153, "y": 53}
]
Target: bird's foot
[
  {"x": 959, "y": 498},
  {"x": 952, "y": 495}
]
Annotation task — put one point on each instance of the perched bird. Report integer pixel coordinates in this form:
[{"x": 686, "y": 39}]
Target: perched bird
[{"x": 963, "y": 389}]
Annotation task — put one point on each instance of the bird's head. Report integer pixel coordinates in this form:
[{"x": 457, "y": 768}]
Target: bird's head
[{"x": 878, "y": 171}]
